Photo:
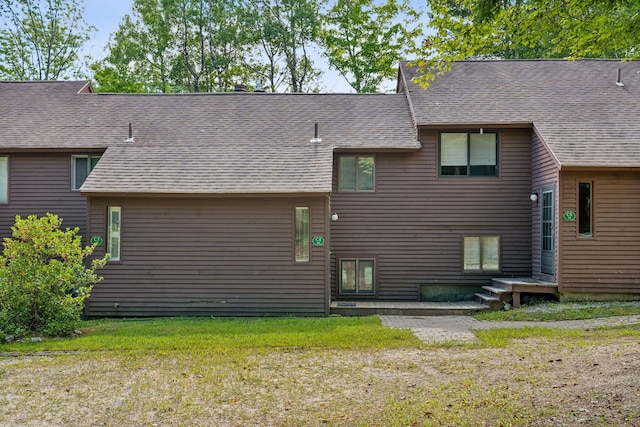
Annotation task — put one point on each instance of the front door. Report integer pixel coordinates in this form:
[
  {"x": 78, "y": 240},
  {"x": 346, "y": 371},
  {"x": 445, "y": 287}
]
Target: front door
[{"x": 547, "y": 230}]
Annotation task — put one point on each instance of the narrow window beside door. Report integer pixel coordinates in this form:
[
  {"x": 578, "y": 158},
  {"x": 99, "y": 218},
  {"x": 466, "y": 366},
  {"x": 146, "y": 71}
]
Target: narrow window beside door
[
  {"x": 113, "y": 233},
  {"x": 585, "y": 209},
  {"x": 302, "y": 234}
]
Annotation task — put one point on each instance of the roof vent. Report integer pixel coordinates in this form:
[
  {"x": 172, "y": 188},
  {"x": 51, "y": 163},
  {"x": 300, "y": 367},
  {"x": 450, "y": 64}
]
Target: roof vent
[
  {"x": 316, "y": 138},
  {"x": 240, "y": 88},
  {"x": 258, "y": 86},
  {"x": 618, "y": 81},
  {"x": 130, "y": 138}
]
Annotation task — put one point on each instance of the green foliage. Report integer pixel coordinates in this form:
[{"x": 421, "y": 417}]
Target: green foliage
[
  {"x": 210, "y": 45},
  {"x": 40, "y": 40},
  {"x": 177, "y": 46},
  {"x": 466, "y": 29},
  {"x": 43, "y": 278},
  {"x": 364, "y": 40}
]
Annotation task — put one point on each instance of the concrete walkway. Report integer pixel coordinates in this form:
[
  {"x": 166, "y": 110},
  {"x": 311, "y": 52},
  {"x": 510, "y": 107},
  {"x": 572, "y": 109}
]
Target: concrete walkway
[{"x": 460, "y": 328}]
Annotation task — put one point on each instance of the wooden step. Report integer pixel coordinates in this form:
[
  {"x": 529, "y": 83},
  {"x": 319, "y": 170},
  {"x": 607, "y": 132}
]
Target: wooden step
[
  {"x": 496, "y": 290},
  {"x": 504, "y": 295},
  {"x": 490, "y": 301}
]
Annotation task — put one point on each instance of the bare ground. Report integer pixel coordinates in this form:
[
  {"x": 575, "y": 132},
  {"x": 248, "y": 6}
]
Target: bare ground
[{"x": 533, "y": 382}]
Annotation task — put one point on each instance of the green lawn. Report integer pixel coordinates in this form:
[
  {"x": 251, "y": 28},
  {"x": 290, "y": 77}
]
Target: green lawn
[
  {"x": 316, "y": 372},
  {"x": 563, "y": 311},
  {"x": 227, "y": 335}
]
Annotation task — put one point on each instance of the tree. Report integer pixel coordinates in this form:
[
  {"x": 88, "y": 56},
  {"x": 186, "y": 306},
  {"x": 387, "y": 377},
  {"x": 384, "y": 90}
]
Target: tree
[
  {"x": 288, "y": 31},
  {"x": 41, "y": 40},
  {"x": 43, "y": 278},
  {"x": 176, "y": 46},
  {"x": 530, "y": 28},
  {"x": 363, "y": 40}
]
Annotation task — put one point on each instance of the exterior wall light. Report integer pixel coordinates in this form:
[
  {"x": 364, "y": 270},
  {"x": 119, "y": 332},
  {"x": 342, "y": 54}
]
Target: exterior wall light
[
  {"x": 334, "y": 216},
  {"x": 534, "y": 197}
]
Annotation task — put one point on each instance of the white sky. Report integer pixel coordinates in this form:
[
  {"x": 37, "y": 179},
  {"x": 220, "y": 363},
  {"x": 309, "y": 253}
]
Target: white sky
[{"x": 105, "y": 15}]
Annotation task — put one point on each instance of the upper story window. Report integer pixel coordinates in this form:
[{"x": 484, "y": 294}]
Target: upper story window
[
  {"x": 4, "y": 179},
  {"x": 356, "y": 173},
  {"x": 81, "y": 166},
  {"x": 468, "y": 154}
]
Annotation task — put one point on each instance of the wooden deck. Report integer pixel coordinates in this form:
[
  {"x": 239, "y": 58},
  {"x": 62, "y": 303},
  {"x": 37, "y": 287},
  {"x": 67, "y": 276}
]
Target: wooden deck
[
  {"x": 521, "y": 285},
  {"x": 405, "y": 308}
]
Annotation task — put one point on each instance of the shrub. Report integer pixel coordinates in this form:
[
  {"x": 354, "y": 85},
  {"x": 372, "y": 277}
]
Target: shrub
[{"x": 43, "y": 278}]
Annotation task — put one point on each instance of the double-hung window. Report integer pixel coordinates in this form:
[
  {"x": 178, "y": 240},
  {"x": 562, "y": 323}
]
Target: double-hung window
[
  {"x": 356, "y": 173},
  {"x": 468, "y": 154},
  {"x": 481, "y": 253},
  {"x": 4, "y": 179},
  {"x": 113, "y": 232},
  {"x": 81, "y": 166}
]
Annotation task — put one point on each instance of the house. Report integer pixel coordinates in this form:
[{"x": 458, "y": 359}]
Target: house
[{"x": 273, "y": 204}]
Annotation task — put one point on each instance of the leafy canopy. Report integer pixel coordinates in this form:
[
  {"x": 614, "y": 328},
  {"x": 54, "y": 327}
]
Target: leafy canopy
[
  {"x": 513, "y": 29},
  {"x": 41, "y": 39}
]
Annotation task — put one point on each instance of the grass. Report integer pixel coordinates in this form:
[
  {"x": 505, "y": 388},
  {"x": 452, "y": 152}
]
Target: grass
[
  {"x": 225, "y": 335},
  {"x": 303, "y": 372},
  {"x": 563, "y": 311}
]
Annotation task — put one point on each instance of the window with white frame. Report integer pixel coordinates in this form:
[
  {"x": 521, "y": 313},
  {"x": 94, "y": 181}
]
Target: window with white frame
[
  {"x": 481, "y": 253},
  {"x": 468, "y": 154},
  {"x": 81, "y": 166},
  {"x": 4, "y": 179},
  {"x": 113, "y": 232}
]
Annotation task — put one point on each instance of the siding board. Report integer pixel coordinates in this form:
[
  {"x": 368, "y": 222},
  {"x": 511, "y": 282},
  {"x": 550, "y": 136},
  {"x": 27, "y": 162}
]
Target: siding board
[
  {"x": 41, "y": 183},
  {"x": 223, "y": 257},
  {"x": 544, "y": 171},
  {"x": 414, "y": 222},
  {"x": 607, "y": 263}
]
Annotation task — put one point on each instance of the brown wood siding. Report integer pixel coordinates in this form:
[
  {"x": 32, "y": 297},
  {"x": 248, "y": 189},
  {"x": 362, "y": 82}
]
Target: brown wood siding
[
  {"x": 41, "y": 183},
  {"x": 223, "y": 257},
  {"x": 414, "y": 222},
  {"x": 544, "y": 171},
  {"x": 610, "y": 261}
]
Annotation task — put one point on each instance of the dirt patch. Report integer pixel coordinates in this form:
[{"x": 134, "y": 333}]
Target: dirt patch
[{"x": 533, "y": 382}]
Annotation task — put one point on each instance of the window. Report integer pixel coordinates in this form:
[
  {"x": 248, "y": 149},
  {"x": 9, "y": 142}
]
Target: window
[
  {"x": 356, "y": 173},
  {"x": 585, "y": 209},
  {"x": 4, "y": 180},
  {"x": 357, "y": 276},
  {"x": 113, "y": 233},
  {"x": 481, "y": 253},
  {"x": 302, "y": 234},
  {"x": 80, "y": 168},
  {"x": 468, "y": 154}
]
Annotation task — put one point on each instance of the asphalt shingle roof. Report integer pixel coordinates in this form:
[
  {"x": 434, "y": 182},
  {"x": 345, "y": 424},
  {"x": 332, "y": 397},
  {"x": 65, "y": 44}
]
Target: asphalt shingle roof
[
  {"x": 221, "y": 143},
  {"x": 575, "y": 106}
]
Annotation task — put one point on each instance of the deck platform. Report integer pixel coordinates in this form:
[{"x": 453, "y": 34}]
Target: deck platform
[
  {"x": 405, "y": 308},
  {"x": 524, "y": 285}
]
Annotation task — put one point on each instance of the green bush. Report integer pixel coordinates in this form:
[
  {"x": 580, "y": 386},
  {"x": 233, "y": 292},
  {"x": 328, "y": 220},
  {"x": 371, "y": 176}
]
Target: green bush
[{"x": 44, "y": 279}]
